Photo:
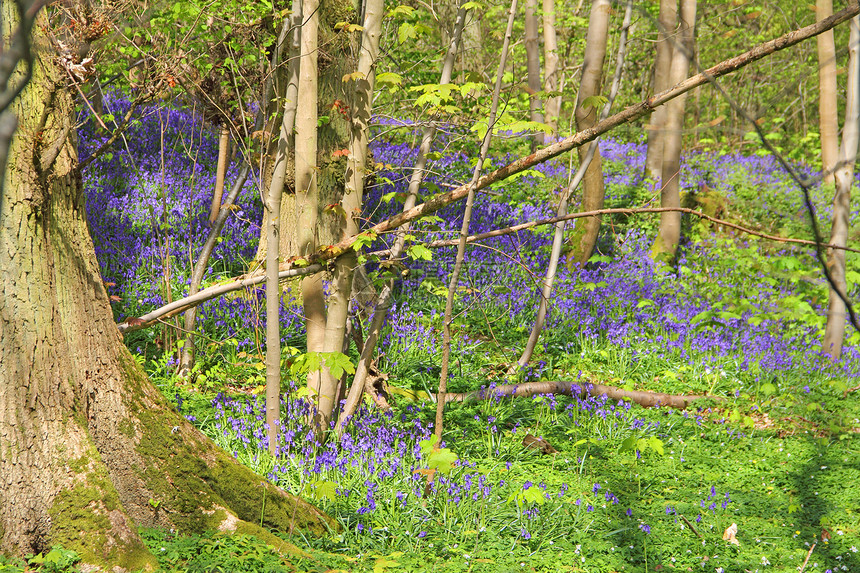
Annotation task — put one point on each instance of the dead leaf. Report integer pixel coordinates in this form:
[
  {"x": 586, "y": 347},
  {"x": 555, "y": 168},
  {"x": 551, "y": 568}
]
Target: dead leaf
[
  {"x": 534, "y": 442},
  {"x": 730, "y": 533}
]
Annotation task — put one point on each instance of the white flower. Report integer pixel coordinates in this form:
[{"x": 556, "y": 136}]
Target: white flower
[
  {"x": 853, "y": 549},
  {"x": 764, "y": 560}
]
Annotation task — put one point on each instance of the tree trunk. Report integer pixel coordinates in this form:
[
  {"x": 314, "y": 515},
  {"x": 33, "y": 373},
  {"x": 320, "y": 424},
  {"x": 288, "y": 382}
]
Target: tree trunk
[
  {"x": 307, "y": 191},
  {"x": 90, "y": 449},
  {"x": 384, "y": 298},
  {"x": 670, "y": 193},
  {"x": 585, "y": 231},
  {"x": 550, "y": 70},
  {"x": 667, "y": 22},
  {"x": 273, "y": 219},
  {"x": 827, "y": 110},
  {"x": 356, "y": 172},
  {"x": 834, "y": 332},
  {"x": 221, "y": 171},
  {"x": 533, "y": 67}
]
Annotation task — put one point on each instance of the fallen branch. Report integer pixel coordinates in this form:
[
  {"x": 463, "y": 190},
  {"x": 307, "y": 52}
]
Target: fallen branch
[
  {"x": 183, "y": 304},
  {"x": 576, "y": 389}
]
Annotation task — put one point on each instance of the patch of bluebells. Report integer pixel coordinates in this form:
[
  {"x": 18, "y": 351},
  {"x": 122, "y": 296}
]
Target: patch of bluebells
[{"x": 147, "y": 221}]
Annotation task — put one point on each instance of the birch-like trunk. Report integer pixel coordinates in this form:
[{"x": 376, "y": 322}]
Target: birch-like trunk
[
  {"x": 834, "y": 331},
  {"x": 533, "y": 67},
  {"x": 274, "y": 198},
  {"x": 558, "y": 234},
  {"x": 584, "y": 236},
  {"x": 221, "y": 171},
  {"x": 550, "y": 69},
  {"x": 667, "y": 22},
  {"x": 307, "y": 194},
  {"x": 670, "y": 193},
  {"x": 828, "y": 119},
  {"x": 383, "y": 301}
]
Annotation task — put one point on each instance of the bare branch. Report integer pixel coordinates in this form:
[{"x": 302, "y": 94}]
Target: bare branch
[{"x": 183, "y": 304}]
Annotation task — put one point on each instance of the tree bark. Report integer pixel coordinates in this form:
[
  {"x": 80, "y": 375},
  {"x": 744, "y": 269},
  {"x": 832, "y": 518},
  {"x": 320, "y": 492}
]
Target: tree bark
[
  {"x": 558, "y": 234},
  {"x": 550, "y": 70},
  {"x": 356, "y": 172},
  {"x": 273, "y": 221},
  {"x": 834, "y": 331},
  {"x": 533, "y": 67},
  {"x": 666, "y": 22},
  {"x": 90, "y": 448},
  {"x": 670, "y": 192},
  {"x": 584, "y": 236},
  {"x": 567, "y": 388},
  {"x": 307, "y": 191},
  {"x": 828, "y": 120},
  {"x": 221, "y": 171}
]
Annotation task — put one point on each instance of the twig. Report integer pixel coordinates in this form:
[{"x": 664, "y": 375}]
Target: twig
[
  {"x": 126, "y": 120},
  {"x": 808, "y": 555},
  {"x": 183, "y": 304},
  {"x": 568, "y": 388},
  {"x": 629, "y": 114},
  {"x": 627, "y": 211},
  {"x": 690, "y": 525}
]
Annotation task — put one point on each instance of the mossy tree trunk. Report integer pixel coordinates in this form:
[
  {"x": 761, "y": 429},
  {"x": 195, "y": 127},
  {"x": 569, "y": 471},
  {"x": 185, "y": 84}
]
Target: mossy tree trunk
[{"x": 87, "y": 443}]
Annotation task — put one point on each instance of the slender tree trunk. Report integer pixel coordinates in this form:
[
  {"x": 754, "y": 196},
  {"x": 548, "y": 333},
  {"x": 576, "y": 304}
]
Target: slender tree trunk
[
  {"x": 666, "y": 24},
  {"x": 828, "y": 120},
  {"x": 356, "y": 172},
  {"x": 464, "y": 229},
  {"x": 670, "y": 193},
  {"x": 558, "y": 236},
  {"x": 550, "y": 69},
  {"x": 221, "y": 171},
  {"x": 88, "y": 443},
  {"x": 834, "y": 331},
  {"x": 585, "y": 231},
  {"x": 383, "y": 301},
  {"x": 306, "y": 188},
  {"x": 186, "y": 360},
  {"x": 273, "y": 220},
  {"x": 533, "y": 67}
]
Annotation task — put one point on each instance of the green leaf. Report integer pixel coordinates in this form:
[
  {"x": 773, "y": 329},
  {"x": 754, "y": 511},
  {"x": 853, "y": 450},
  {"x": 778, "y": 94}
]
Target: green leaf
[
  {"x": 338, "y": 363},
  {"x": 364, "y": 239},
  {"x": 400, "y": 11},
  {"x": 419, "y": 253},
  {"x": 389, "y": 79},
  {"x": 594, "y": 101},
  {"x": 406, "y": 31}
]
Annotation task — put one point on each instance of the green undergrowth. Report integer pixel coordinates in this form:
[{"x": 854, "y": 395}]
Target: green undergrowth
[{"x": 628, "y": 489}]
